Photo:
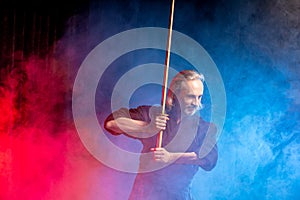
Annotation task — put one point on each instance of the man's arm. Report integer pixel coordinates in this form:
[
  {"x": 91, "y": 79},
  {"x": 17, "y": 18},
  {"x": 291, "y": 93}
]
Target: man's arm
[
  {"x": 123, "y": 124},
  {"x": 136, "y": 128},
  {"x": 207, "y": 163}
]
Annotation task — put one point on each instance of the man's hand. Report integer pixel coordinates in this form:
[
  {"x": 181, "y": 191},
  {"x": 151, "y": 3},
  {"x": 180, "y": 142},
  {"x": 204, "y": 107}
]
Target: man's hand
[
  {"x": 161, "y": 121},
  {"x": 162, "y": 155},
  {"x": 158, "y": 123}
]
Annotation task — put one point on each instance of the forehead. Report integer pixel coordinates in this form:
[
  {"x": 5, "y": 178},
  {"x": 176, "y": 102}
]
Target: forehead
[{"x": 192, "y": 86}]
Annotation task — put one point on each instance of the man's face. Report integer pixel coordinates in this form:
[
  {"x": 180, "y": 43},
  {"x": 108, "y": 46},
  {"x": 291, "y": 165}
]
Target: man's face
[{"x": 190, "y": 96}]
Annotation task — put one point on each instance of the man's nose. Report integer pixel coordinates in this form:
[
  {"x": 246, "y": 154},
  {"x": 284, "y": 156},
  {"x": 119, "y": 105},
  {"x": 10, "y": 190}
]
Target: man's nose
[{"x": 196, "y": 102}]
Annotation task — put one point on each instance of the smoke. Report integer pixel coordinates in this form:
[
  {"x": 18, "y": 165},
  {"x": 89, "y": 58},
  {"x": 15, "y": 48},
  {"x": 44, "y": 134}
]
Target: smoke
[
  {"x": 255, "y": 45},
  {"x": 259, "y": 147},
  {"x": 41, "y": 155},
  {"x": 33, "y": 125}
]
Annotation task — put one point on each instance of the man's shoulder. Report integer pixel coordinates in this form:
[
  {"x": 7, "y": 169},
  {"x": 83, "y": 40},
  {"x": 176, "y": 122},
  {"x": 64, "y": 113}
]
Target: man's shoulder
[
  {"x": 149, "y": 108},
  {"x": 142, "y": 108},
  {"x": 203, "y": 121},
  {"x": 207, "y": 126}
]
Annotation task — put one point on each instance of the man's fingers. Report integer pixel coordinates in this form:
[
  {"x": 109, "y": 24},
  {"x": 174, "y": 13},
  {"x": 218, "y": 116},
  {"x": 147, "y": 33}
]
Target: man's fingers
[
  {"x": 157, "y": 157},
  {"x": 161, "y": 125},
  {"x": 162, "y": 117},
  {"x": 161, "y": 121},
  {"x": 157, "y": 150}
]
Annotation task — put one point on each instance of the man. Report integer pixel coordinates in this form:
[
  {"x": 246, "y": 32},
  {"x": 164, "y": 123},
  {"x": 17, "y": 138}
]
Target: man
[{"x": 188, "y": 141}]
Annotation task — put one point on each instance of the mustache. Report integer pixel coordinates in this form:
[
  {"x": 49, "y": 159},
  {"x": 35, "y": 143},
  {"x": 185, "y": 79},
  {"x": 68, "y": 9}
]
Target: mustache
[{"x": 193, "y": 107}]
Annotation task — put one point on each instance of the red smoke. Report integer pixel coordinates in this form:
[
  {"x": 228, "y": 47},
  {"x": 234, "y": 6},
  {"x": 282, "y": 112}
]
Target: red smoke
[
  {"x": 41, "y": 155},
  {"x": 35, "y": 128}
]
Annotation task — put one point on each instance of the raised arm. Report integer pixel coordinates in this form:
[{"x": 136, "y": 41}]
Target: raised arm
[
  {"x": 127, "y": 125},
  {"x": 133, "y": 123}
]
